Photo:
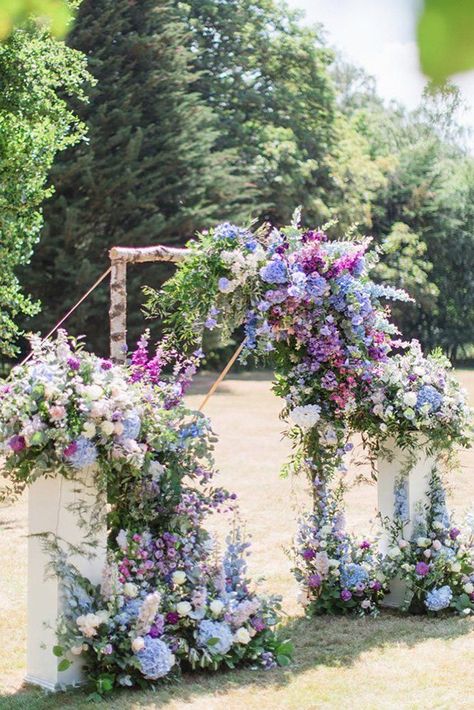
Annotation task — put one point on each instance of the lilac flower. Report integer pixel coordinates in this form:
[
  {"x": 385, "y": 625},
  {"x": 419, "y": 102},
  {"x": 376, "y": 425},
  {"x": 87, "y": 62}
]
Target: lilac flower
[{"x": 314, "y": 581}]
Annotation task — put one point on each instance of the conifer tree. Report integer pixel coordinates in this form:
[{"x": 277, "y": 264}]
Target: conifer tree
[{"x": 149, "y": 172}]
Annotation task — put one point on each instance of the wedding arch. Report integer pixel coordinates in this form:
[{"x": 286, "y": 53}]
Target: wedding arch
[{"x": 108, "y": 445}]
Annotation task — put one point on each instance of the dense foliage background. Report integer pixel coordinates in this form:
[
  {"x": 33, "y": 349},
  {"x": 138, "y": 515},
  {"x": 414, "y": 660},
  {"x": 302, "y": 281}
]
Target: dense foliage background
[{"x": 208, "y": 110}]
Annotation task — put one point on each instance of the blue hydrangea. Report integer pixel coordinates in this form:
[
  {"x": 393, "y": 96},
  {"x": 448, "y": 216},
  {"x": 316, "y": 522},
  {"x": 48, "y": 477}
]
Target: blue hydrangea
[
  {"x": 274, "y": 272},
  {"x": 85, "y": 453},
  {"x": 218, "y": 631},
  {"x": 131, "y": 426},
  {"x": 429, "y": 395},
  {"x": 226, "y": 230},
  {"x": 156, "y": 659},
  {"x": 439, "y": 599},
  {"x": 353, "y": 574}
]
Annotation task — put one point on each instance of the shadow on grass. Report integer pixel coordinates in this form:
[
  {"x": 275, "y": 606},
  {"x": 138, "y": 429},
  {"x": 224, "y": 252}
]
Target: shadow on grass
[{"x": 319, "y": 643}]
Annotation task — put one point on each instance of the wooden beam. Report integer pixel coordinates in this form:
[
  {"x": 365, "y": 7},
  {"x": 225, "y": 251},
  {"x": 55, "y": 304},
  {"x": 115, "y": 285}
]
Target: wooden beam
[{"x": 137, "y": 255}]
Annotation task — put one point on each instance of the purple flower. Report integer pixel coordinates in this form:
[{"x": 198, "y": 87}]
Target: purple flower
[
  {"x": 376, "y": 586},
  {"x": 308, "y": 554},
  {"x": 106, "y": 364},
  {"x": 314, "y": 580},
  {"x": 17, "y": 443},
  {"x": 71, "y": 449},
  {"x": 172, "y": 617},
  {"x": 453, "y": 533},
  {"x": 364, "y": 545},
  {"x": 346, "y": 595},
  {"x": 258, "y": 624},
  {"x": 74, "y": 363},
  {"x": 422, "y": 569}
]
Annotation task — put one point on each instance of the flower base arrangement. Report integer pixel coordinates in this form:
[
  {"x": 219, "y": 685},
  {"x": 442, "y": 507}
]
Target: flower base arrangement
[{"x": 168, "y": 600}]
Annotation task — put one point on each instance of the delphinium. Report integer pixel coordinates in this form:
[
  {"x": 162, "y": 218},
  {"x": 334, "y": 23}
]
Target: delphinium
[
  {"x": 337, "y": 574},
  {"x": 437, "y": 561}
]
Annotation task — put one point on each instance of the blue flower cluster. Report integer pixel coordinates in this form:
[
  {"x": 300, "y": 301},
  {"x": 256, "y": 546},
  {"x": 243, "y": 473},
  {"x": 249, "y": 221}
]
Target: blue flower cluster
[
  {"x": 353, "y": 574},
  {"x": 226, "y": 230},
  {"x": 85, "y": 453},
  {"x": 131, "y": 426},
  {"x": 219, "y": 632},
  {"x": 400, "y": 505},
  {"x": 156, "y": 659},
  {"x": 439, "y": 599},
  {"x": 429, "y": 395},
  {"x": 274, "y": 272}
]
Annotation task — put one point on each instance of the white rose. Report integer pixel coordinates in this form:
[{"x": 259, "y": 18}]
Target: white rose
[
  {"x": 409, "y": 399},
  {"x": 469, "y": 588},
  {"x": 130, "y": 590},
  {"x": 436, "y": 545},
  {"x": 366, "y": 604},
  {"x": 76, "y": 650},
  {"x": 179, "y": 578},
  {"x": 402, "y": 544},
  {"x": 107, "y": 428},
  {"x": 438, "y": 525},
  {"x": 242, "y": 635},
  {"x": 183, "y": 608},
  {"x": 333, "y": 563},
  {"x": 137, "y": 644},
  {"x": 89, "y": 430},
  {"x": 427, "y": 553},
  {"x": 393, "y": 552},
  {"x": 216, "y": 607},
  {"x": 456, "y": 567}
]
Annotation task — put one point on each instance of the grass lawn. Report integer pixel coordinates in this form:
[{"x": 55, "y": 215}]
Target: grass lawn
[{"x": 390, "y": 662}]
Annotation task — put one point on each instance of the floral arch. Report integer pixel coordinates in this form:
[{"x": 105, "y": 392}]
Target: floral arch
[{"x": 158, "y": 600}]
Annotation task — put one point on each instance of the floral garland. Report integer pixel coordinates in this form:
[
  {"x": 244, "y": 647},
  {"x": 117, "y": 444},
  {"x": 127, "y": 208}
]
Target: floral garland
[{"x": 167, "y": 600}]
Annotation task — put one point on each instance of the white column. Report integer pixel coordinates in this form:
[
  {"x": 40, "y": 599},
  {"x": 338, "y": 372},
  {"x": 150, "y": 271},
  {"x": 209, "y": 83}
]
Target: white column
[
  {"x": 50, "y": 509},
  {"x": 391, "y": 469}
]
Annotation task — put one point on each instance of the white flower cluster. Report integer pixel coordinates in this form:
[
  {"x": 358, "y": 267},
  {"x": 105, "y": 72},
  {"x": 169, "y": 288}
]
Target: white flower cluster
[{"x": 306, "y": 416}]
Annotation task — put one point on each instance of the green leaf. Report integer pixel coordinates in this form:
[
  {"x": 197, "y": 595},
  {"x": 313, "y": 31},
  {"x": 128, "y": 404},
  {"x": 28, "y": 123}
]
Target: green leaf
[
  {"x": 446, "y": 38},
  {"x": 283, "y": 661},
  {"x": 64, "y": 664},
  {"x": 286, "y": 649},
  {"x": 58, "y": 651}
]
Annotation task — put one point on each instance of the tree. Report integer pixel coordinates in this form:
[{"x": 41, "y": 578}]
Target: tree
[
  {"x": 37, "y": 73},
  {"x": 266, "y": 77},
  {"x": 150, "y": 171}
]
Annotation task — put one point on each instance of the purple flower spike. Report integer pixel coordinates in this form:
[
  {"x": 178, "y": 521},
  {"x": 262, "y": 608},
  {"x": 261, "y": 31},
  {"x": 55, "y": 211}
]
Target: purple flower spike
[{"x": 74, "y": 363}]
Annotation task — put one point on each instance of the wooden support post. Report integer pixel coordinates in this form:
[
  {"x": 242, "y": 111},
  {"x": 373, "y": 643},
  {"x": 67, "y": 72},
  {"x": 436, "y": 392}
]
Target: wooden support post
[{"x": 118, "y": 311}]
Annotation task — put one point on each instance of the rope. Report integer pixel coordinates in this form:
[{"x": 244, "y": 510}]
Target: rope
[
  {"x": 70, "y": 312},
  {"x": 222, "y": 375}
]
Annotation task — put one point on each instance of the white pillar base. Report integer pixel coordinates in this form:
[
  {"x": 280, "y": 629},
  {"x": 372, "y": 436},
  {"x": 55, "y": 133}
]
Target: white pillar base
[
  {"x": 49, "y": 511},
  {"x": 391, "y": 469}
]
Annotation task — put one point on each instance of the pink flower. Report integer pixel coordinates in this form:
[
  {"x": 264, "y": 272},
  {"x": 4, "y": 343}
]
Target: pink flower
[
  {"x": 17, "y": 443},
  {"x": 57, "y": 412}
]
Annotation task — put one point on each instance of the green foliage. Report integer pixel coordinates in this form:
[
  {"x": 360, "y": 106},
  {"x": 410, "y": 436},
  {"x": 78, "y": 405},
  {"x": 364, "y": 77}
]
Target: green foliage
[
  {"x": 150, "y": 171},
  {"x": 266, "y": 77},
  {"x": 446, "y": 38},
  {"x": 37, "y": 73},
  {"x": 53, "y": 15}
]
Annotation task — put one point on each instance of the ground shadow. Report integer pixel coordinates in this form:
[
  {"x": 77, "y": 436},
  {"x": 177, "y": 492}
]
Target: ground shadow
[{"x": 324, "y": 641}]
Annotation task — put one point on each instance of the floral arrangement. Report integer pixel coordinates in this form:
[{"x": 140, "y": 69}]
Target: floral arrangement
[
  {"x": 167, "y": 600},
  {"x": 168, "y": 603},
  {"x": 306, "y": 302},
  {"x": 437, "y": 562},
  {"x": 410, "y": 394},
  {"x": 337, "y": 573}
]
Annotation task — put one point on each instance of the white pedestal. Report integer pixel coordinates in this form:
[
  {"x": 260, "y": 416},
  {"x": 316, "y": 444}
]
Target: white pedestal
[
  {"x": 390, "y": 470},
  {"x": 49, "y": 510}
]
